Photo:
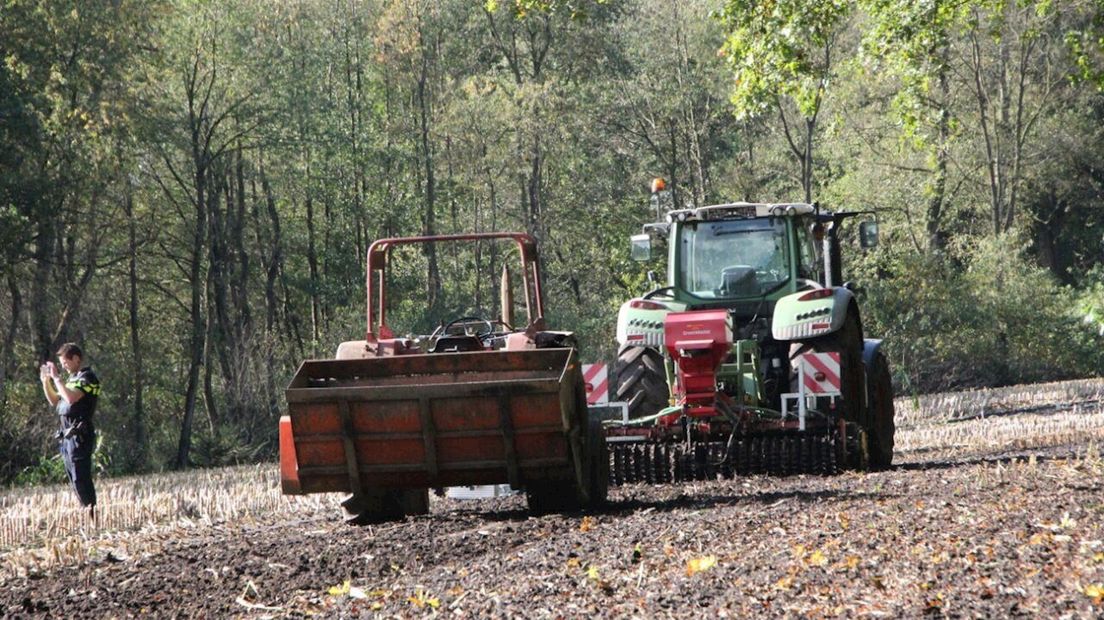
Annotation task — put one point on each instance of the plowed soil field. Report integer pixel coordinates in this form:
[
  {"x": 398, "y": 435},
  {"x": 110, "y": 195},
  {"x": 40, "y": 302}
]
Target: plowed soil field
[{"x": 995, "y": 508}]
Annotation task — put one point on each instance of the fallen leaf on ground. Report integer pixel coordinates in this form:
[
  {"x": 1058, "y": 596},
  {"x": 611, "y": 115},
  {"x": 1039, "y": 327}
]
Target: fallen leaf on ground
[
  {"x": 703, "y": 563},
  {"x": 587, "y": 523},
  {"x": 422, "y": 599},
  {"x": 340, "y": 590}
]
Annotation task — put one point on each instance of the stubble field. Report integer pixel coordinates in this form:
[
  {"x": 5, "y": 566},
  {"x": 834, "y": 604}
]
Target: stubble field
[{"x": 995, "y": 508}]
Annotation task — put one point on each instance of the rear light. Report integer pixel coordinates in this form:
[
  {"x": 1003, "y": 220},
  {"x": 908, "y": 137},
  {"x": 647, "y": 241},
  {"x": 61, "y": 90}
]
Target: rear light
[
  {"x": 819, "y": 293},
  {"x": 643, "y": 304}
]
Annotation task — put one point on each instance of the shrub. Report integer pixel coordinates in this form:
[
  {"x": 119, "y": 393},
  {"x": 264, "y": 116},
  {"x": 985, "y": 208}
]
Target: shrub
[{"x": 979, "y": 315}]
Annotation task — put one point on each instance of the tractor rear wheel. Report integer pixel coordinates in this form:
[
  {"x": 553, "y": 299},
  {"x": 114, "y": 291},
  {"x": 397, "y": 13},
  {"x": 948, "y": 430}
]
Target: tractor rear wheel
[
  {"x": 598, "y": 459},
  {"x": 380, "y": 505},
  {"x": 641, "y": 380},
  {"x": 880, "y": 402},
  {"x": 588, "y": 488},
  {"x": 547, "y": 496}
]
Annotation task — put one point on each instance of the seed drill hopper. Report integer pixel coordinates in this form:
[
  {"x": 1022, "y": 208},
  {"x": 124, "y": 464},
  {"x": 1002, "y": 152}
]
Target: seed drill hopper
[
  {"x": 752, "y": 358},
  {"x": 475, "y": 402}
]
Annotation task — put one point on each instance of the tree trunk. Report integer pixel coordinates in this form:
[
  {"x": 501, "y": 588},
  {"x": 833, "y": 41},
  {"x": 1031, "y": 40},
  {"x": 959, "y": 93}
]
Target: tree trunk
[
  {"x": 312, "y": 264},
  {"x": 221, "y": 333},
  {"x": 241, "y": 290},
  {"x": 429, "y": 226},
  {"x": 533, "y": 186},
  {"x": 44, "y": 244},
  {"x": 936, "y": 238},
  {"x": 7, "y": 361},
  {"x": 210, "y": 404},
  {"x": 139, "y": 452},
  {"x": 199, "y": 328},
  {"x": 807, "y": 159},
  {"x": 272, "y": 269},
  {"x": 198, "y": 339}
]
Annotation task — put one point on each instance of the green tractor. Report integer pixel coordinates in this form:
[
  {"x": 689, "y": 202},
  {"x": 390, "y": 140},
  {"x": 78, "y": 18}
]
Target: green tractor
[{"x": 752, "y": 357}]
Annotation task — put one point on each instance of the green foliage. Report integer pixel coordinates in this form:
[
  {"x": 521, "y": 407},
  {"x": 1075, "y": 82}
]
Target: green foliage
[
  {"x": 981, "y": 315},
  {"x": 1086, "y": 48},
  {"x": 781, "y": 49},
  {"x": 911, "y": 41},
  {"x": 577, "y": 9},
  {"x": 51, "y": 469},
  {"x": 222, "y": 447},
  {"x": 48, "y": 470},
  {"x": 1090, "y": 303}
]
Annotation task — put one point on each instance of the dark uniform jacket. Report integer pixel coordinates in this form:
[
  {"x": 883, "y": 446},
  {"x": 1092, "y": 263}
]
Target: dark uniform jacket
[{"x": 77, "y": 418}]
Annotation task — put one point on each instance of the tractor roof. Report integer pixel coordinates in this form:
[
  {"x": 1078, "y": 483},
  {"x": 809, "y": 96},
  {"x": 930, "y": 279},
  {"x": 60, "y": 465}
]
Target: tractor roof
[{"x": 742, "y": 210}]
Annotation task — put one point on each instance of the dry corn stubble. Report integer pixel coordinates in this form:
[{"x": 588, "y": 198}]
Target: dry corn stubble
[{"x": 44, "y": 526}]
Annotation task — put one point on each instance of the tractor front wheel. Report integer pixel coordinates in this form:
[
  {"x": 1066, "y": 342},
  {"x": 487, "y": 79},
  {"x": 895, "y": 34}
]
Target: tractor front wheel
[
  {"x": 641, "y": 380},
  {"x": 880, "y": 401}
]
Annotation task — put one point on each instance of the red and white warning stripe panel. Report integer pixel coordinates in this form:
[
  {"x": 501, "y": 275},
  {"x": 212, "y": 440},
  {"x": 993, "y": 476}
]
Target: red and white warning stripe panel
[
  {"x": 821, "y": 372},
  {"x": 596, "y": 380}
]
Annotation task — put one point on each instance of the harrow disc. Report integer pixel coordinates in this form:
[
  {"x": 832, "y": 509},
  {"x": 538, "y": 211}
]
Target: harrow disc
[{"x": 776, "y": 454}]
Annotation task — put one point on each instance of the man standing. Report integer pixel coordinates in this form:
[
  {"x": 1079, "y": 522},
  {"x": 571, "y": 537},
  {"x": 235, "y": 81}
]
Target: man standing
[{"x": 75, "y": 400}]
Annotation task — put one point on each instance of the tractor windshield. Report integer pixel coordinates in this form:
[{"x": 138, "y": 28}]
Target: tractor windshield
[{"x": 735, "y": 258}]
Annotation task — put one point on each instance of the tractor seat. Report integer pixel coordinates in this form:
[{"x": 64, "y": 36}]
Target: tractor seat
[
  {"x": 456, "y": 344},
  {"x": 738, "y": 280}
]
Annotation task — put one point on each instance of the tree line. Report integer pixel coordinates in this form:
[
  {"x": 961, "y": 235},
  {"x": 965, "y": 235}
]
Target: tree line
[{"x": 188, "y": 188}]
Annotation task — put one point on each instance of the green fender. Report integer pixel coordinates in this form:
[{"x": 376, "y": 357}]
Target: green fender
[
  {"x": 808, "y": 314},
  {"x": 640, "y": 321}
]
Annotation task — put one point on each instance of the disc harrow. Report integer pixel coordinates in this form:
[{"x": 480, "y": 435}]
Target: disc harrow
[{"x": 742, "y": 455}]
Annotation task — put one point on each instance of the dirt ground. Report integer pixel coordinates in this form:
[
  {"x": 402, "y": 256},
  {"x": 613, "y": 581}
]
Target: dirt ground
[{"x": 967, "y": 534}]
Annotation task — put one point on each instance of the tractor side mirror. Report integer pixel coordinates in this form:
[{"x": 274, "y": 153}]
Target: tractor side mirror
[
  {"x": 641, "y": 247},
  {"x": 868, "y": 234}
]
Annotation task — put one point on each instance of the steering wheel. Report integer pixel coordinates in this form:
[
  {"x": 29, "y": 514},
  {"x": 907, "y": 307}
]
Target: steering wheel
[{"x": 484, "y": 327}]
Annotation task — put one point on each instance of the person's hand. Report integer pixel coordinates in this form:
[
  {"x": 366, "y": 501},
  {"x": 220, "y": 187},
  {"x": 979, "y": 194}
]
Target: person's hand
[
  {"x": 43, "y": 373},
  {"x": 52, "y": 370}
]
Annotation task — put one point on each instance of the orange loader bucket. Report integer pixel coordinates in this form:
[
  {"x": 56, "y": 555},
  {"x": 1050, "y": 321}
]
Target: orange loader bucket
[{"x": 426, "y": 421}]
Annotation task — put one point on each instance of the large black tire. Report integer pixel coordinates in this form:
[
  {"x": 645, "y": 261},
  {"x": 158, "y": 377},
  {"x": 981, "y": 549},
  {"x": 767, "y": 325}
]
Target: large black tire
[
  {"x": 380, "y": 505},
  {"x": 544, "y": 496},
  {"x": 641, "y": 380},
  {"x": 880, "y": 400},
  {"x": 598, "y": 457}
]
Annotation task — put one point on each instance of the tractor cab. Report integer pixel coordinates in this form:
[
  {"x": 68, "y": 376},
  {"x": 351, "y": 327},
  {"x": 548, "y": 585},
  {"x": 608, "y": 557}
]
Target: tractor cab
[
  {"x": 730, "y": 252},
  {"x": 747, "y": 251}
]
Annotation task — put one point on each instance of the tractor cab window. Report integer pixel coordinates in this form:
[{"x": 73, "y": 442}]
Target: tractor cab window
[
  {"x": 735, "y": 258},
  {"x": 808, "y": 265}
]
